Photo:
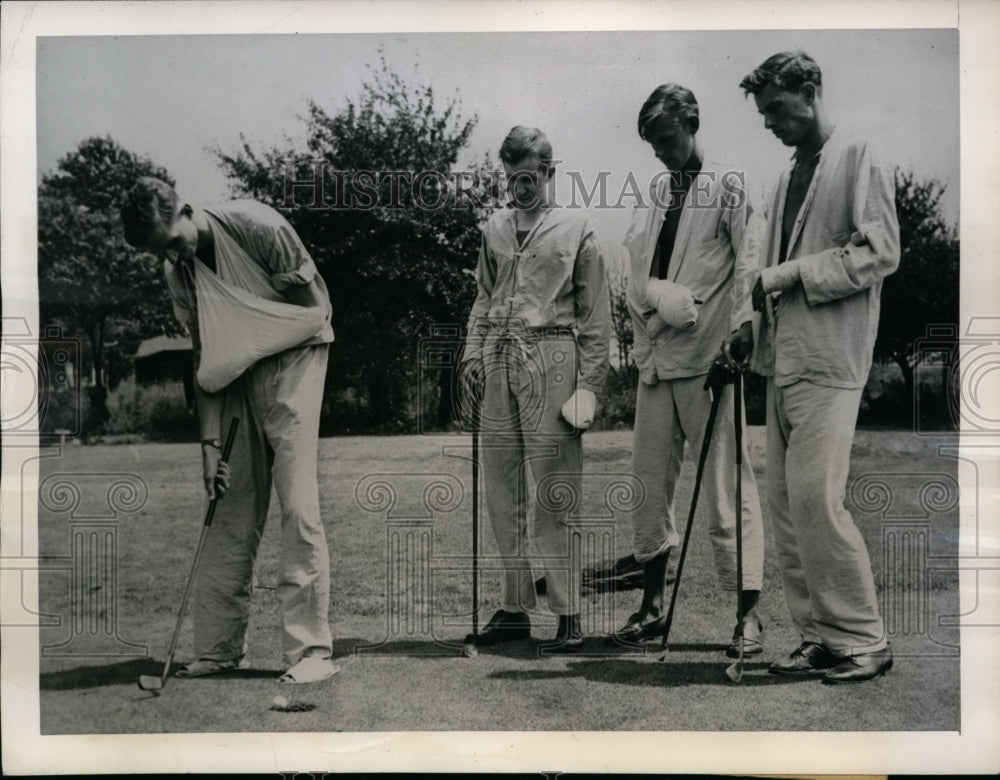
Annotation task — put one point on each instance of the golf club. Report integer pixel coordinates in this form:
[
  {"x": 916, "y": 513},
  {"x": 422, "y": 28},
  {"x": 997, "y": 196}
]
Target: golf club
[
  {"x": 706, "y": 440},
  {"x": 735, "y": 671},
  {"x": 469, "y": 649},
  {"x": 148, "y": 682}
]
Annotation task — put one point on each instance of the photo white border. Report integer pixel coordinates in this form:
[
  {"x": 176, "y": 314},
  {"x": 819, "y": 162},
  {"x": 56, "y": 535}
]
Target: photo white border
[{"x": 25, "y": 751}]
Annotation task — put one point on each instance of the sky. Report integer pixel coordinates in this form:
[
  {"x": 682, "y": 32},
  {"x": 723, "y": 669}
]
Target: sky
[{"x": 176, "y": 98}]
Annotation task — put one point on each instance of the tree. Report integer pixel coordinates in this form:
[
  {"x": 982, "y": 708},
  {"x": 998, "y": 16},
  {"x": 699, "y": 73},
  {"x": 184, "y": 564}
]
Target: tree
[
  {"x": 621, "y": 319},
  {"x": 89, "y": 280},
  {"x": 924, "y": 290},
  {"x": 394, "y": 266}
]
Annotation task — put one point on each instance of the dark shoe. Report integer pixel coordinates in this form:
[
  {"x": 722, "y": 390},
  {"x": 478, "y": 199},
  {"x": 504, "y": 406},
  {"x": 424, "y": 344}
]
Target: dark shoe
[
  {"x": 753, "y": 634},
  {"x": 622, "y": 574},
  {"x": 569, "y": 636},
  {"x": 503, "y": 627},
  {"x": 808, "y": 658},
  {"x": 861, "y": 667},
  {"x": 638, "y": 629}
]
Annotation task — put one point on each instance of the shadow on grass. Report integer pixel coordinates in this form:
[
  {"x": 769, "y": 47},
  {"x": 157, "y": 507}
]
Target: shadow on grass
[
  {"x": 652, "y": 673},
  {"x": 128, "y": 673},
  {"x": 524, "y": 649},
  {"x": 99, "y": 675},
  {"x": 424, "y": 649}
]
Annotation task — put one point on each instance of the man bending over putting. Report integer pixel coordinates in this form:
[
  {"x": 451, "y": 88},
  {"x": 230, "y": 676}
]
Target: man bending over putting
[{"x": 258, "y": 313}]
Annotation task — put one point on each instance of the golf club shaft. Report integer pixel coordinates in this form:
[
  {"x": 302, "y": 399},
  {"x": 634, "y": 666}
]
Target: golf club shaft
[
  {"x": 209, "y": 516},
  {"x": 738, "y": 424},
  {"x": 475, "y": 530},
  {"x": 705, "y": 442}
]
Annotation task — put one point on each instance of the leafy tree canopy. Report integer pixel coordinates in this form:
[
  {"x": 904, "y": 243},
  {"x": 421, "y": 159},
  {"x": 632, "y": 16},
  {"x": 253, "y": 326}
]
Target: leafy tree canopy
[
  {"x": 89, "y": 279},
  {"x": 393, "y": 227}
]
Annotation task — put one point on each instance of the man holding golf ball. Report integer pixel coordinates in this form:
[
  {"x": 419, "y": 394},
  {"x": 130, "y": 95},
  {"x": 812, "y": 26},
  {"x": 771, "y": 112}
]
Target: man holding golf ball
[
  {"x": 258, "y": 313},
  {"x": 693, "y": 250},
  {"x": 537, "y": 355}
]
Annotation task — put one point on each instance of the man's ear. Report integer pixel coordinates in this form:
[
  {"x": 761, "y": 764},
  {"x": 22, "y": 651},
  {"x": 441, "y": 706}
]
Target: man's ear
[
  {"x": 809, "y": 92},
  {"x": 187, "y": 211},
  {"x": 693, "y": 124}
]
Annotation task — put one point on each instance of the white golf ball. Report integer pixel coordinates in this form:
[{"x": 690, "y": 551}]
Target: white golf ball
[{"x": 279, "y": 701}]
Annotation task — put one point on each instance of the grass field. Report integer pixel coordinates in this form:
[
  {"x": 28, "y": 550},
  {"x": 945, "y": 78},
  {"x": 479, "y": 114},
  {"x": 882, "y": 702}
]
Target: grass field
[{"x": 401, "y": 665}]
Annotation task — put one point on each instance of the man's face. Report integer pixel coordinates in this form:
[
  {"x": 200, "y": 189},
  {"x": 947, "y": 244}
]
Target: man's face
[
  {"x": 789, "y": 115},
  {"x": 525, "y": 182},
  {"x": 672, "y": 141},
  {"x": 174, "y": 242}
]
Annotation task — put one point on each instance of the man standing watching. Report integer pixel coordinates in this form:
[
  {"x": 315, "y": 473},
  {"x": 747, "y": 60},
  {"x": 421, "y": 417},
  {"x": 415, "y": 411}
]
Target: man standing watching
[
  {"x": 831, "y": 238},
  {"x": 258, "y": 313},
  {"x": 693, "y": 253},
  {"x": 537, "y": 354}
]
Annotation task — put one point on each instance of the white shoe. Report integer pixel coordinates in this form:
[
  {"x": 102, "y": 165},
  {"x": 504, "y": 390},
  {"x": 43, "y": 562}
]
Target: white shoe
[{"x": 309, "y": 670}]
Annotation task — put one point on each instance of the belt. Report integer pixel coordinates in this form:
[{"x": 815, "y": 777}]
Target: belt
[{"x": 521, "y": 338}]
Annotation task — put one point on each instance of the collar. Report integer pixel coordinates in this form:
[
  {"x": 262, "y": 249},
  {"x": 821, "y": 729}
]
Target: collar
[
  {"x": 794, "y": 159},
  {"x": 511, "y": 215}
]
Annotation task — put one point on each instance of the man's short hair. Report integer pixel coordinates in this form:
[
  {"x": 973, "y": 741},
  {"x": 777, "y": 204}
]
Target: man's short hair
[
  {"x": 522, "y": 141},
  {"x": 787, "y": 70},
  {"x": 148, "y": 199},
  {"x": 668, "y": 100}
]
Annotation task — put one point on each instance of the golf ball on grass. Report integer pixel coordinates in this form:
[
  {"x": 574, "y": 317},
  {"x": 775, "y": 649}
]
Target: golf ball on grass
[{"x": 281, "y": 704}]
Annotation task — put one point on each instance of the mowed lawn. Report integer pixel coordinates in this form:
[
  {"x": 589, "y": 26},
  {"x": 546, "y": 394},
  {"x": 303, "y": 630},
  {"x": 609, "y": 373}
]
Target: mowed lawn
[{"x": 398, "y": 513}]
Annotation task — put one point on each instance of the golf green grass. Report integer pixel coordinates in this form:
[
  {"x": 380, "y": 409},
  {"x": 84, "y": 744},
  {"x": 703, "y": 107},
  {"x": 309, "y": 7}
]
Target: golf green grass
[{"x": 399, "y": 646}]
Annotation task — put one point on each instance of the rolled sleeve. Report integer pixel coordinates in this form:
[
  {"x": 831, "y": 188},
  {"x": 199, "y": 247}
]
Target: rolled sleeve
[
  {"x": 778, "y": 278},
  {"x": 842, "y": 271},
  {"x": 289, "y": 261},
  {"x": 304, "y": 274}
]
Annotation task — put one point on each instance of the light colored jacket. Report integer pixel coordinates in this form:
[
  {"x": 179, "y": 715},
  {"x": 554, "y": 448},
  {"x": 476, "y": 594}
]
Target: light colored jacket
[
  {"x": 825, "y": 327},
  {"x": 554, "y": 280},
  {"x": 716, "y": 255}
]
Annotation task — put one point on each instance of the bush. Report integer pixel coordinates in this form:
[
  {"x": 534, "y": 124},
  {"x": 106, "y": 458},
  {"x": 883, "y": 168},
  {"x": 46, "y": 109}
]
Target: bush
[
  {"x": 618, "y": 409},
  {"x": 157, "y": 411},
  {"x": 755, "y": 398}
]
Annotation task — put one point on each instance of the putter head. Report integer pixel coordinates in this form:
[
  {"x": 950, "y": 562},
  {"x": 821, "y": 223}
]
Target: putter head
[
  {"x": 148, "y": 682},
  {"x": 735, "y": 672}
]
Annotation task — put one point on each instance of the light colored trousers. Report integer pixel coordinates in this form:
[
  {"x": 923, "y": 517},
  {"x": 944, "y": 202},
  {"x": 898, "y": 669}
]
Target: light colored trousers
[
  {"x": 278, "y": 402},
  {"x": 667, "y": 414},
  {"x": 825, "y": 567},
  {"x": 522, "y": 427}
]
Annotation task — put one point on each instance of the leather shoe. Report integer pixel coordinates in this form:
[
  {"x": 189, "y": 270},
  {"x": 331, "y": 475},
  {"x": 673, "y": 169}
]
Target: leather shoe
[
  {"x": 753, "y": 631},
  {"x": 861, "y": 667},
  {"x": 569, "y": 636},
  {"x": 807, "y": 658},
  {"x": 503, "y": 627},
  {"x": 638, "y": 629}
]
